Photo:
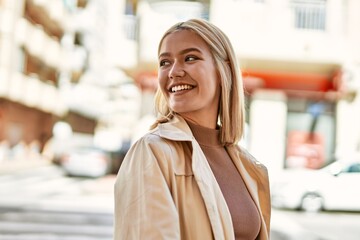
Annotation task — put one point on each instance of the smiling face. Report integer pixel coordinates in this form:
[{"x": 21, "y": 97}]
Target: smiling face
[{"x": 188, "y": 77}]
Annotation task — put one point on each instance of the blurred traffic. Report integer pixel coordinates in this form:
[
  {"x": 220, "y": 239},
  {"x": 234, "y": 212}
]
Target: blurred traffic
[
  {"x": 332, "y": 187},
  {"x": 86, "y": 161}
]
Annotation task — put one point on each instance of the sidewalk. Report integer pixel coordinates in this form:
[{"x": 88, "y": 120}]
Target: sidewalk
[
  {"x": 283, "y": 228},
  {"x": 66, "y": 195},
  {"x": 18, "y": 165}
]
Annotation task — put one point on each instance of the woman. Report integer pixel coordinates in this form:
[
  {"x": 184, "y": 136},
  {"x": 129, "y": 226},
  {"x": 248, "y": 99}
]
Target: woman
[{"x": 187, "y": 178}]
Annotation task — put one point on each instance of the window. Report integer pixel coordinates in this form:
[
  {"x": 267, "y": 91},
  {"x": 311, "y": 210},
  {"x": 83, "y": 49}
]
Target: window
[{"x": 310, "y": 14}]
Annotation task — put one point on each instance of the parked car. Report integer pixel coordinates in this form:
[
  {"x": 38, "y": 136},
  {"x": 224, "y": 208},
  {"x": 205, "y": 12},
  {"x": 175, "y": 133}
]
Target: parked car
[
  {"x": 86, "y": 161},
  {"x": 334, "y": 187}
]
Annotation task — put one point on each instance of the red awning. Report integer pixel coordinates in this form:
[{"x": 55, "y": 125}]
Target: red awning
[{"x": 288, "y": 81}]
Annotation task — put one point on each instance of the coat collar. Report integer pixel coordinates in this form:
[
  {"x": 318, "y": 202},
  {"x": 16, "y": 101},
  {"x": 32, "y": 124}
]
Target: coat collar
[{"x": 176, "y": 129}]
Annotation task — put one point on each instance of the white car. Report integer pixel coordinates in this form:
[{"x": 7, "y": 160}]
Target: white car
[
  {"x": 334, "y": 187},
  {"x": 86, "y": 161}
]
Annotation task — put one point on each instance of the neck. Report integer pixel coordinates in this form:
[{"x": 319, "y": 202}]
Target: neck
[{"x": 204, "y": 122}]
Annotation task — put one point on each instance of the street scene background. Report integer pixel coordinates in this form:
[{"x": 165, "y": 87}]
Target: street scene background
[{"x": 77, "y": 82}]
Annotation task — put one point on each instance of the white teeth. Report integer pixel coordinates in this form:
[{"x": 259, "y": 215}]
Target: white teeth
[{"x": 180, "y": 87}]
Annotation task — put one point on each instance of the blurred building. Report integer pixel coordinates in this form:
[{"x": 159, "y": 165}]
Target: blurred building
[
  {"x": 106, "y": 31},
  {"x": 300, "y": 61},
  {"x": 32, "y": 57}
]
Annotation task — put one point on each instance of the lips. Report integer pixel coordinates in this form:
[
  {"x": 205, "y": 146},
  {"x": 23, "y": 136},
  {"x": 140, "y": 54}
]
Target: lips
[{"x": 181, "y": 87}]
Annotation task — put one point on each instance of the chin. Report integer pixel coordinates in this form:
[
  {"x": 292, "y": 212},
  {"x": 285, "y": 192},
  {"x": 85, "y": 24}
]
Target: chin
[{"x": 183, "y": 108}]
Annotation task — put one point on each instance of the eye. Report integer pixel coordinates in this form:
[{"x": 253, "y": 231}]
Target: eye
[
  {"x": 191, "y": 58},
  {"x": 164, "y": 63}
]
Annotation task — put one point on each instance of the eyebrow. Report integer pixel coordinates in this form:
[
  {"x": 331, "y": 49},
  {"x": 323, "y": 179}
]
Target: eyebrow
[{"x": 182, "y": 52}]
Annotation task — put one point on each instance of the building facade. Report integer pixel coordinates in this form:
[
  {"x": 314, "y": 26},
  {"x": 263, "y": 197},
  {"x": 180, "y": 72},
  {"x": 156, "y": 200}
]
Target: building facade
[
  {"x": 300, "y": 61},
  {"x": 300, "y": 64},
  {"x": 32, "y": 57}
]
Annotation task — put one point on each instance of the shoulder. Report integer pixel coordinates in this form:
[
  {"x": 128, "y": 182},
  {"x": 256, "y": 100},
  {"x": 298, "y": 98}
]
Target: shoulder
[
  {"x": 151, "y": 142},
  {"x": 152, "y": 148},
  {"x": 154, "y": 155},
  {"x": 154, "y": 139}
]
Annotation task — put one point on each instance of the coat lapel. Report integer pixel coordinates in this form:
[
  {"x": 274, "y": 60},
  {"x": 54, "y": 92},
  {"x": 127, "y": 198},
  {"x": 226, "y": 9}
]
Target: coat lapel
[
  {"x": 216, "y": 206},
  {"x": 219, "y": 214}
]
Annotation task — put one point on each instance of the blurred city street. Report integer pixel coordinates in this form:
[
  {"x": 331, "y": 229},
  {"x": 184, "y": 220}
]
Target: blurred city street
[
  {"x": 77, "y": 86},
  {"x": 42, "y": 203}
]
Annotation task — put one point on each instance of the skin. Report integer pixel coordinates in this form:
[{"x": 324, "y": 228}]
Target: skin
[{"x": 187, "y": 66}]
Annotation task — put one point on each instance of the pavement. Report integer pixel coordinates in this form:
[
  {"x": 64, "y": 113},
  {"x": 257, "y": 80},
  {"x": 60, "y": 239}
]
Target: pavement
[
  {"x": 81, "y": 195},
  {"x": 18, "y": 165},
  {"x": 284, "y": 228}
]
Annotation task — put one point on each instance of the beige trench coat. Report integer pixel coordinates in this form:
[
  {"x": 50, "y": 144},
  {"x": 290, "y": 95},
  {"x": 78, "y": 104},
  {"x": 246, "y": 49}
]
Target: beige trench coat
[{"x": 165, "y": 189}]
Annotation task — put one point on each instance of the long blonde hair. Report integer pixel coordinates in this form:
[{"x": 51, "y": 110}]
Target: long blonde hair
[{"x": 231, "y": 114}]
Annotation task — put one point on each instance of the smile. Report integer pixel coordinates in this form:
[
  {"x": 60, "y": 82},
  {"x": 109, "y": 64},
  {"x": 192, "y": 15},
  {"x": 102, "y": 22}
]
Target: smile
[{"x": 181, "y": 88}]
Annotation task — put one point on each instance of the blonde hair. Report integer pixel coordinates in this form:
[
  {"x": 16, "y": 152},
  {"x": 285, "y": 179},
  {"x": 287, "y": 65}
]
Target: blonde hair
[{"x": 231, "y": 114}]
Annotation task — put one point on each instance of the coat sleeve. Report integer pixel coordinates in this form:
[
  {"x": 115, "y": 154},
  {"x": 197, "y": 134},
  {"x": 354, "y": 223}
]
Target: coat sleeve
[{"x": 144, "y": 207}]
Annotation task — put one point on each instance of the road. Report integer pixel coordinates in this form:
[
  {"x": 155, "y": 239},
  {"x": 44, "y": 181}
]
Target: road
[
  {"x": 24, "y": 224},
  {"x": 324, "y": 225},
  {"x": 43, "y": 203}
]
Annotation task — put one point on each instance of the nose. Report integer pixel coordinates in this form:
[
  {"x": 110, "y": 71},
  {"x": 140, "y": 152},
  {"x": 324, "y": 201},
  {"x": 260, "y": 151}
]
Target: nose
[{"x": 176, "y": 71}]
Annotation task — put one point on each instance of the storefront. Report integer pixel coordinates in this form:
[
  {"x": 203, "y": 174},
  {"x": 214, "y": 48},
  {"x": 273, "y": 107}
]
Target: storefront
[{"x": 292, "y": 116}]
